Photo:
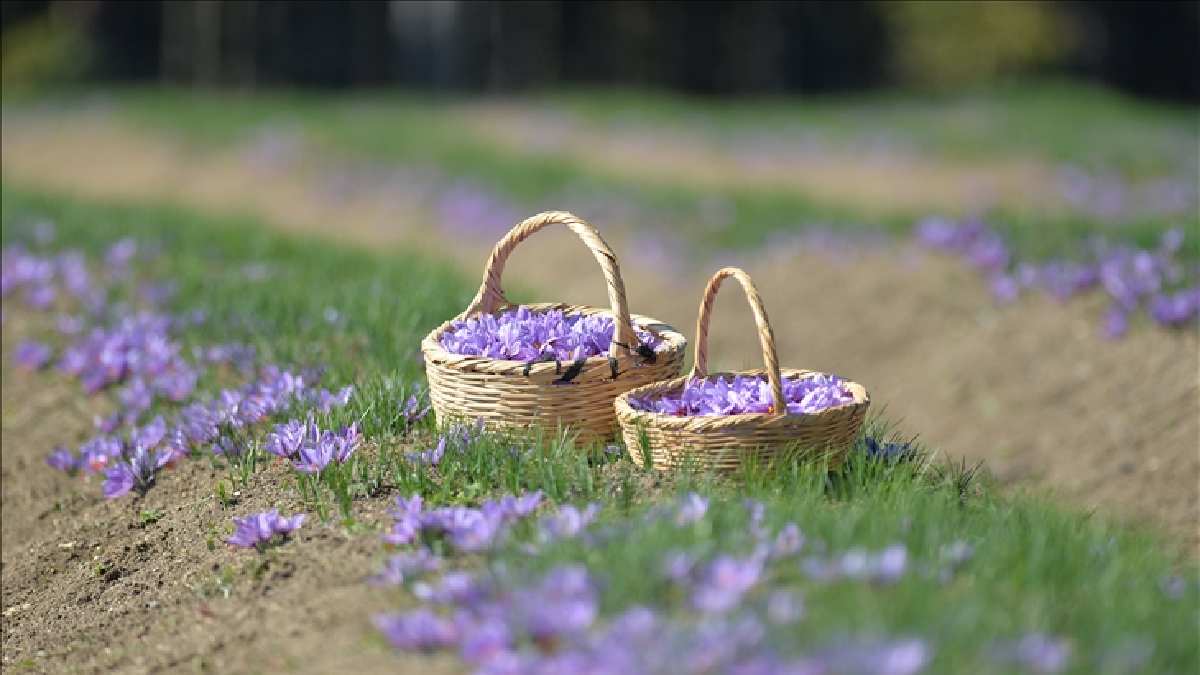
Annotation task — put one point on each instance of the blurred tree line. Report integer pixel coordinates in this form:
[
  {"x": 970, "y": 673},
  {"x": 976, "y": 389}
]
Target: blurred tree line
[{"x": 1149, "y": 48}]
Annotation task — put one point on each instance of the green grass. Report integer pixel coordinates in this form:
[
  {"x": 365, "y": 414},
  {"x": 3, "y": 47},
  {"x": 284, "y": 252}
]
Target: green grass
[
  {"x": 384, "y": 303},
  {"x": 1050, "y": 122},
  {"x": 1037, "y": 566}
]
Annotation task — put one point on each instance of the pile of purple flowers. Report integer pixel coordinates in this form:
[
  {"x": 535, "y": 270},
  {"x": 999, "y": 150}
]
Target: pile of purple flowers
[
  {"x": 742, "y": 394},
  {"x": 260, "y": 529},
  {"x": 522, "y": 334},
  {"x": 1131, "y": 277},
  {"x": 309, "y": 448}
]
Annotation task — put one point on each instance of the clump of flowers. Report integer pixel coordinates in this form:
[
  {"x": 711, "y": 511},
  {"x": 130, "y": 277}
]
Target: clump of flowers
[
  {"x": 412, "y": 411},
  {"x": 32, "y": 355},
  {"x": 551, "y": 624},
  {"x": 884, "y": 567},
  {"x": 431, "y": 457},
  {"x": 466, "y": 528},
  {"x": 135, "y": 472},
  {"x": 1132, "y": 277},
  {"x": 523, "y": 334},
  {"x": 311, "y": 449},
  {"x": 129, "y": 464},
  {"x": 260, "y": 529},
  {"x": 741, "y": 394}
]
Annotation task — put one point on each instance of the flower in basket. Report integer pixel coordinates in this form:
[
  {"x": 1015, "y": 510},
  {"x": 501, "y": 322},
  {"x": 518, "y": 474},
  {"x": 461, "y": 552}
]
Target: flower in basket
[
  {"x": 741, "y": 394},
  {"x": 523, "y": 334}
]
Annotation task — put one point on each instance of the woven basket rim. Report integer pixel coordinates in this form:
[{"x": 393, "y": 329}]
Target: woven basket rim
[
  {"x": 432, "y": 349},
  {"x": 701, "y": 423}
]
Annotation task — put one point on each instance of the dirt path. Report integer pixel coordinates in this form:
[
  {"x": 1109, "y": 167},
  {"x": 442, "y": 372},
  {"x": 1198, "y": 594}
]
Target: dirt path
[{"x": 1031, "y": 389}]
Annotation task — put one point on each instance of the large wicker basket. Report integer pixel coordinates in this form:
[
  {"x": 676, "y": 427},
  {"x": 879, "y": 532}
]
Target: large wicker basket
[
  {"x": 506, "y": 395},
  {"x": 724, "y": 442}
]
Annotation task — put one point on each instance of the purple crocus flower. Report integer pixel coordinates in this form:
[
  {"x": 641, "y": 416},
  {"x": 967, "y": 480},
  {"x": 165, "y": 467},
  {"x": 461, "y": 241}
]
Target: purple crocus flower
[
  {"x": 888, "y": 657},
  {"x": 418, "y": 630},
  {"x": 286, "y": 440},
  {"x": 63, "y": 460},
  {"x": 563, "y": 604},
  {"x": 135, "y": 473},
  {"x": 485, "y": 640},
  {"x": 510, "y": 508},
  {"x": 1004, "y": 288},
  {"x": 407, "y": 524},
  {"x": 691, "y": 509},
  {"x": 890, "y": 565},
  {"x": 225, "y": 446},
  {"x": 1177, "y": 309},
  {"x": 346, "y": 442},
  {"x": 413, "y": 412},
  {"x": 120, "y": 254},
  {"x": 326, "y": 400},
  {"x": 150, "y": 435},
  {"x": 468, "y": 530},
  {"x": 788, "y": 542},
  {"x": 108, "y": 424},
  {"x": 1036, "y": 652},
  {"x": 98, "y": 453},
  {"x": 401, "y": 566},
  {"x": 32, "y": 355},
  {"x": 456, "y": 588},
  {"x": 678, "y": 566},
  {"x": 199, "y": 424},
  {"x": 430, "y": 457},
  {"x": 40, "y": 297},
  {"x": 118, "y": 480},
  {"x": 568, "y": 522},
  {"x": 260, "y": 529},
  {"x": 1116, "y": 322},
  {"x": 68, "y": 325},
  {"x": 315, "y": 455},
  {"x": 725, "y": 581}
]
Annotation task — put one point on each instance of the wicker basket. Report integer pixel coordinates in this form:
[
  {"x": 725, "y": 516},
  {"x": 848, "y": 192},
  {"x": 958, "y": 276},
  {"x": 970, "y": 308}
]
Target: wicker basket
[
  {"x": 505, "y": 395},
  {"x": 725, "y": 441}
]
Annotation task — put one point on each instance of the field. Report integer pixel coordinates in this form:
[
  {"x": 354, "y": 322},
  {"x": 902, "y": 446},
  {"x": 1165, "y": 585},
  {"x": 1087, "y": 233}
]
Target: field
[{"x": 1042, "y": 521}]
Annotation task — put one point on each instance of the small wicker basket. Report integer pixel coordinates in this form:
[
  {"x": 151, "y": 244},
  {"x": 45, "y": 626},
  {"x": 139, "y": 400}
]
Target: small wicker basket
[
  {"x": 508, "y": 395},
  {"x": 724, "y": 442}
]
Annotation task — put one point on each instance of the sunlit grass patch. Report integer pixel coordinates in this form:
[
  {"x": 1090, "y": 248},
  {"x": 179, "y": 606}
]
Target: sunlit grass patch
[{"x": 889, "y": 548}]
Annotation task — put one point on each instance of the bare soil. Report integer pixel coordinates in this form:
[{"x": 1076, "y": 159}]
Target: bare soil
[{"x": 1030, "y": 389}]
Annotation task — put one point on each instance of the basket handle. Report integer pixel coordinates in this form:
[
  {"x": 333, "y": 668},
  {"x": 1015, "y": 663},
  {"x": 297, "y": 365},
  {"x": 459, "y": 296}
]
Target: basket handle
[
  {"x": 491, "y": 296},
  {"x": 765, "y": 337}
]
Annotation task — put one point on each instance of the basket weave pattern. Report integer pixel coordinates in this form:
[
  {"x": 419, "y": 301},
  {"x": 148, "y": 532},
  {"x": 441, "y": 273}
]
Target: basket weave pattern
[
  {"x": 726, "y": 441},
  {"x": 497, "y": 391}
]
